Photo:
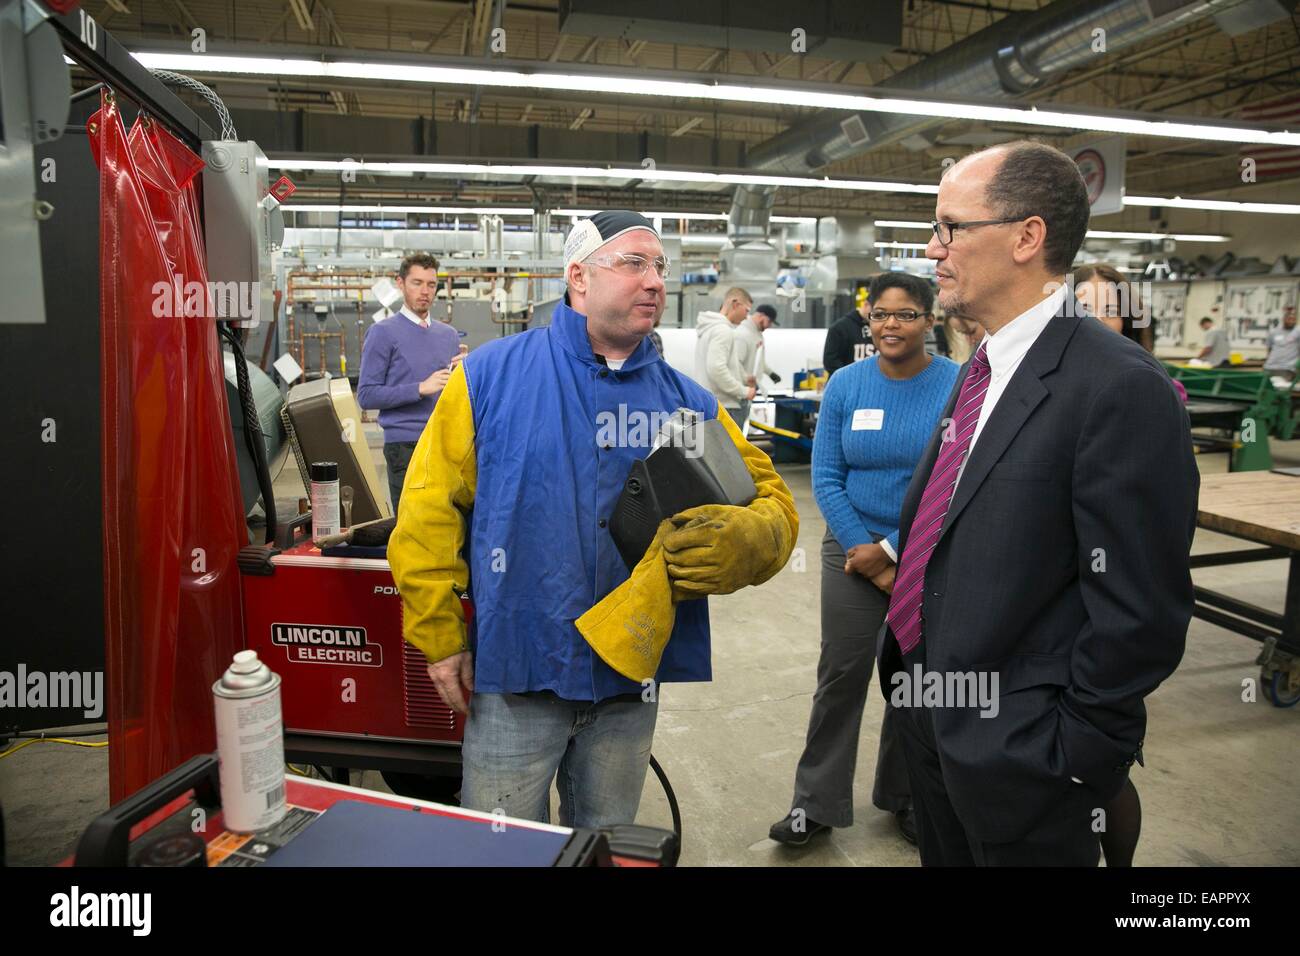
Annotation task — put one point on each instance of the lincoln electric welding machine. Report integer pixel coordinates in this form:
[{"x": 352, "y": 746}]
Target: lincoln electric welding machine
[{"x": 693, "y": 462}]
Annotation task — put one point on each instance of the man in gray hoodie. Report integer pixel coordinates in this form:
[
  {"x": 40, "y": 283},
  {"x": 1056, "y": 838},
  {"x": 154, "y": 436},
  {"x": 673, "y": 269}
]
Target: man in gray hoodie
[{"x": 717, "y": 365}]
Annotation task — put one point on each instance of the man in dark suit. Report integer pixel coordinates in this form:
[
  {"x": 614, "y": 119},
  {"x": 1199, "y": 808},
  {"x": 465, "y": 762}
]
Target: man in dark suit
[{"x": 1044, "y": 538}]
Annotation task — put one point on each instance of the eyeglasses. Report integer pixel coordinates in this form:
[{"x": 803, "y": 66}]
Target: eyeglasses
[
  {"x": 944, "y": 230},
  {"x": 906, "y": 316},
  {"x": 630, "y": 264}
]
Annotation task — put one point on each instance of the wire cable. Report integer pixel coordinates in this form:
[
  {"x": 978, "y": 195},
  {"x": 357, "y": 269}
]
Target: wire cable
[
  {"x": 223, "y": 114},
  {"x": 254, "y": 437},
  {"x": 672, "y": 804},
  {"x": 49, "y": 740}
]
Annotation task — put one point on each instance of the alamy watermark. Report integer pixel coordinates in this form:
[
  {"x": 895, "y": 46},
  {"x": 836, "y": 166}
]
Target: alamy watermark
[
  {"x": 946, "y": 689},
  {"x": 206, "y": 300},
  {"x": 1102, "y": 298},
  {"x": 53, "y": 690},
  {"x": 78, "y": 909},
  {"x": 633, "y": 428}
]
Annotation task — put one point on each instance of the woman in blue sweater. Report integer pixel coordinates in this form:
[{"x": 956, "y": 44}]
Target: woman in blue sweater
[{"x": 877, "y": 416}]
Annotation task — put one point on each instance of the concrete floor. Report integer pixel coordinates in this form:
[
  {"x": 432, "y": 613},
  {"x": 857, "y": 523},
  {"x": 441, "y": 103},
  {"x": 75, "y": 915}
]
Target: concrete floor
[{"x": 1219, "y": 787}]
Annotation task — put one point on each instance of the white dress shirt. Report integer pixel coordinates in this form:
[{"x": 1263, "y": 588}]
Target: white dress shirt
[
  {"x": 422, "y": 323},
  {"x": 1006, "y": 349}
]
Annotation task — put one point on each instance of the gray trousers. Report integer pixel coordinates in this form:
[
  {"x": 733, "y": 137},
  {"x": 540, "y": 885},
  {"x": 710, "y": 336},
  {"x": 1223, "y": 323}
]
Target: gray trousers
[
  {"x": 397, "y": 456},
  {"x": 852, "y": 611},
  {"x": 738, "y": 412}
]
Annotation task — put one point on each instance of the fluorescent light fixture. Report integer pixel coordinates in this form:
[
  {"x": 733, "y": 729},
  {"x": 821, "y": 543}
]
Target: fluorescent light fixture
[
  {"x": 707, "y": 216},
  {"x": 711, "y": 216},
  {"x": 689, "y": 240},
  {"x": 900, "y": 245},
  {"x": 431, "y": 210},
  {"x": 1091, "y": 233},
  {"x": 688, "y": 216},
  {"x": 1216, "y": 205},
  {"x": 1182, "y": 237},
  {"x": 598, "y": 172},
  {"x": 700, "y": 90},
  {"x": 722, "y": 180}
]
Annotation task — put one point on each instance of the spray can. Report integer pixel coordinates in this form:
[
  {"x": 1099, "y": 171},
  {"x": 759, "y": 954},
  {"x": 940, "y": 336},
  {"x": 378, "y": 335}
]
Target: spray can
[
  {"x": 250, "y": 745},
  {"x": 324, "y": 499}
]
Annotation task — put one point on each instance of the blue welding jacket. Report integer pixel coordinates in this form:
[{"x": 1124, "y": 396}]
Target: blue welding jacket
[{"x": 555, "y": 434}]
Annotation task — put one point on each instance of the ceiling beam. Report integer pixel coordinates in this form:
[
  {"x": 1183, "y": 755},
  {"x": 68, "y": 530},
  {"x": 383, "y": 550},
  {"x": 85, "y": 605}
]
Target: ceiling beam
[
  {"x": 686, "y": 127},
  {"x": 302, "y": 15}
]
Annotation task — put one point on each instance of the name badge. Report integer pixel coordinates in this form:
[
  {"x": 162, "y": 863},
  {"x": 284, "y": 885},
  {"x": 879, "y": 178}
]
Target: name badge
[{"x": 868, "y": 419}]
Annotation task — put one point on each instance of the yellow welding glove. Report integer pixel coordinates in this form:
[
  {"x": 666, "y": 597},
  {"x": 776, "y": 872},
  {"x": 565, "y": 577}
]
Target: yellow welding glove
[
  {"x": 629, "y": 628},
  {"x": 713, "y": 549},
  {"x": 717, "y": 549}
]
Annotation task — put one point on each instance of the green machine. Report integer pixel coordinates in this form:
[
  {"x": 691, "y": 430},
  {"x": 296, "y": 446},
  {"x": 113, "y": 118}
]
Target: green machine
[{"x": 1245, "y": 404}]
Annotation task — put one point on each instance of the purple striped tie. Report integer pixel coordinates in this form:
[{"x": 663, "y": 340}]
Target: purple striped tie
[{"x": 909, "y": 585}]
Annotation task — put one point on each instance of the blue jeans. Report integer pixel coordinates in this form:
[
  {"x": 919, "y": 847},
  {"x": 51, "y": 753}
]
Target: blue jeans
[{"x": 516, "y": 744}]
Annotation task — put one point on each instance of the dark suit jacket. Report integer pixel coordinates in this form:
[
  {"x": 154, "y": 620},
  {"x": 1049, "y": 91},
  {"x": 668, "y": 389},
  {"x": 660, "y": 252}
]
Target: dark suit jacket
[{"x": 1085, "y": 463}]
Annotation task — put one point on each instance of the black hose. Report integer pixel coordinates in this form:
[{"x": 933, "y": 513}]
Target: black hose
[
  {"x": 254, "y": 439},
  {"x": 672, "y": 805},
  {"x": 88, "y": 91}
]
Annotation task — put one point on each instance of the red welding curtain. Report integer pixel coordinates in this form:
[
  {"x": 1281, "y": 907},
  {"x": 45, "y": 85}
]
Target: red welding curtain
[{"x": 173, "y": 522}]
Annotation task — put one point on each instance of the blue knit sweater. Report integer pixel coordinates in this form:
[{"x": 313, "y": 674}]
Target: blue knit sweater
[
  {"x": 861, "y": 474},
  {"x": 397, "y": 356}
]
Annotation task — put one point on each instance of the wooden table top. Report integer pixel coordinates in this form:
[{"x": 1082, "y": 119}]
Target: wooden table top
[{"x": 1256, "y": 505}]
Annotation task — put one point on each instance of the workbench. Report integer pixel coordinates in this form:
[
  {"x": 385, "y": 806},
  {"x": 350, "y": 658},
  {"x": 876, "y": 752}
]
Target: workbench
[
  {"x": 1262, "y": 507},
  {"x": 792, "y": 432},
  {"x": 1244, "y": 405},
  {"x": 346, "y": 826}
]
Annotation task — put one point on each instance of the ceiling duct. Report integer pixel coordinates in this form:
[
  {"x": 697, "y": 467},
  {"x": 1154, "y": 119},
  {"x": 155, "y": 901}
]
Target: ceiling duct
[{"x": 1001, "y": 62}]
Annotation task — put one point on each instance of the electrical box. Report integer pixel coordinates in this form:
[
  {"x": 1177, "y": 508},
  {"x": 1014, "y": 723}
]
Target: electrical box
[
  {"x": 34, "y": 100},
  {"x": 242, "y": 227}
]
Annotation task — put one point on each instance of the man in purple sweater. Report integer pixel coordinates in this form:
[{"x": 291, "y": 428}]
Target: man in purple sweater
[{"x": 405, "y": 363}]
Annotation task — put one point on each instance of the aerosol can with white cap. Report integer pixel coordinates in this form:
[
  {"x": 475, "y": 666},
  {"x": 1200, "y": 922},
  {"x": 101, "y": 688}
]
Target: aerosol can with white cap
[{"x": 250, "y": 745}]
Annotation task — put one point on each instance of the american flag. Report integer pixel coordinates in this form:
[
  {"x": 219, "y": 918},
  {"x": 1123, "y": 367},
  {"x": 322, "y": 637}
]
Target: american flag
[{"x": 1273, "y": 162}]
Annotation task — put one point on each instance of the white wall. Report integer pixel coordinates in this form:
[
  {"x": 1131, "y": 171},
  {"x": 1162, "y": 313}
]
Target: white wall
[
  {"x": 789, "y": 351},
  {"x": 1246, "y": 307}
]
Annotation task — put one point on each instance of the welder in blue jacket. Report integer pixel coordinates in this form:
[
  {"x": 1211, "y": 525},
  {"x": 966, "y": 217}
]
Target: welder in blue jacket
[{"x": 509, "y": 495}]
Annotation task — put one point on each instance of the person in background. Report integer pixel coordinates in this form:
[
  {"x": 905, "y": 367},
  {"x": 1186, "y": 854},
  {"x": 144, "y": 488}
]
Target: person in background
[
  {"x": 1104, "y": 291},
  {"x": 1110, "y": 297},
  {"x": 1113, "y": 299},
  {"x": 963, "y": 335},
  {"x": 1216, "y": 350},
  {"x": 405, "y": 364},
  {"x": 717, "y": 366},
  {"x": 1284, "y": 348},
  {"x": 848, "y": 340},
  {"x": 876, "y": 418},
  {"x": 750, "y": 350}
]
